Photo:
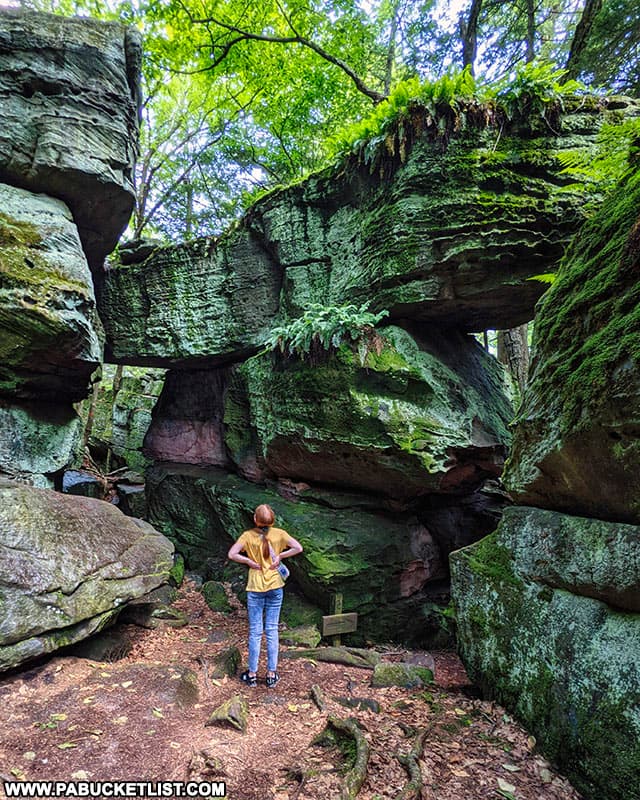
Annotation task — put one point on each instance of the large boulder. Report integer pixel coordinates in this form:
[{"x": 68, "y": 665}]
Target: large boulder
[
  {"x": 385, "y": 563},
  {"x": 50, "y": 333},
  {"x": 451, "y": 233},
  {"x": 548, "y": 624},
  {"x": 413, "y": 415},
  {"x": 37, "y": 441},
  {"x": 577, "y": 438},
  {"x": 68, "y": 100},
  {"x": 68, "y": 565}
]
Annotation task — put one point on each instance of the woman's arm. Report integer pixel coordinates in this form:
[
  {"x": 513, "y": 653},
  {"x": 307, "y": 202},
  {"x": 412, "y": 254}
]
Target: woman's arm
[
  {"x": 235, "y": 555},
  {"x": 294, "y": 548}
]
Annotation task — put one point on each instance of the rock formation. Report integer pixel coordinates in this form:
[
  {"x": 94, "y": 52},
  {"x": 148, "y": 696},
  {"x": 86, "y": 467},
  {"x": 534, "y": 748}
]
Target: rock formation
[
  {"x": 68, "y": 94},
  {"x": 67, "y": 141},
  {"x": 549, "y": 605},
  {"x": 67, "y": 567},
  {"x": 405, "y": 440},
  {"x": 451, "y": 234},
  {"x": 69, "y": 98}
]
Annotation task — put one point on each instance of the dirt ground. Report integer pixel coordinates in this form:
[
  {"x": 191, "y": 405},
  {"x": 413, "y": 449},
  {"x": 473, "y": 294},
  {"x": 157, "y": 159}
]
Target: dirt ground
[{"x": 141, "y": 718}]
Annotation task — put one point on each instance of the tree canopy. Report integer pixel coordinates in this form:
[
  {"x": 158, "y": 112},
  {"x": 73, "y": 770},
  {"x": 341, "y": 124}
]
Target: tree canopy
[{"x": 243, "y": 95}]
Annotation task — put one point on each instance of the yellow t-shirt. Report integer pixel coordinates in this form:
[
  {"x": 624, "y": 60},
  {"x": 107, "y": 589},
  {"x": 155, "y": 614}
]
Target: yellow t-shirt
[{"x": 262, "y": 580}]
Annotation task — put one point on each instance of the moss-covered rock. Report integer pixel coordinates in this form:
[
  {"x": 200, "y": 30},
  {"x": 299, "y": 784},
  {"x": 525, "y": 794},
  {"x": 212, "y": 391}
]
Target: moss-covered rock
[
  {"x": 425, "y": 414},
  {"x": 410, "y": 676},
  {"x": 122, "y": 405},
  {"x": 565, "y": 663},
  {"x": 68, "y": 98},
  {"x": 37, "y": 440},
  {"x": 577, "y": 438},
  {"x": 215, "y": 596},
  {"x": 226, "y": 663},
  {"x": 68, "y": 565},
  {"x": 50, "y": 334},
  {"x": 232, "y": 714},
  {"x": 449, "y": 234}
]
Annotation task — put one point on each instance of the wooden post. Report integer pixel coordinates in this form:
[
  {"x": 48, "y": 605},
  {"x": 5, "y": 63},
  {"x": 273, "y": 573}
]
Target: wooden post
[
  {"x": 336, "y": 608},
  {"x": 337, "y": 622}
]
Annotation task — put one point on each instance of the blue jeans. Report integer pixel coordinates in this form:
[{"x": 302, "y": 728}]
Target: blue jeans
[{"x": 264, "y": 615}]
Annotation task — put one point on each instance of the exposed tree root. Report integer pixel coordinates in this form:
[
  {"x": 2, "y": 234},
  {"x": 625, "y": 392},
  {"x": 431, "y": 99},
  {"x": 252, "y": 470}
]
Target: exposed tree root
[
  {"x": 412, "y": 790},
  {"x": 354, "y": 779},
  {"x": 317, "y": 696},
  {"x": 351, "y": 656}
]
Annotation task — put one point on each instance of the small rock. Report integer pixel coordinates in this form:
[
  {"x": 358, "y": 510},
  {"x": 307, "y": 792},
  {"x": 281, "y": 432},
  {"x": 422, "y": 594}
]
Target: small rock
[
  {"x": 215, "y": 596},
  {"x": 217, "y": 636},
  {"x": 226, "y": 663},
  {"x": 401, "y": 674},
  {"x": 232, "y": 714}
]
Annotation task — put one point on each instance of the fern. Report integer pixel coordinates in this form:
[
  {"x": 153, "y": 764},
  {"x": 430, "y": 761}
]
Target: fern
[
  {"x": 323, "y": 328},
  {"x": 604, "y": 165}
]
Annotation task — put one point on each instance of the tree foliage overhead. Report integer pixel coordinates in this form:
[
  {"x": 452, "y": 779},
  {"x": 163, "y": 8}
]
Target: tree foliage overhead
[{"x": 243, "y": 95}]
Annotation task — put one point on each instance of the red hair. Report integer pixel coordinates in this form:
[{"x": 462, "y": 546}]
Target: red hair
[{"x": 264, "y": 518}]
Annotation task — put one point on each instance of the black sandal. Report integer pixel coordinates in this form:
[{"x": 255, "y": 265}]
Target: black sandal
[
  {"x": 272, "y": 680},
  {"x": 250, "y": 680}
]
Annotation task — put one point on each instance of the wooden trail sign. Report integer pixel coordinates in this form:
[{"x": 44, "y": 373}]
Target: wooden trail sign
[
  {"x": 339, "y": 623},
  {"x": 336, "y": 623}
]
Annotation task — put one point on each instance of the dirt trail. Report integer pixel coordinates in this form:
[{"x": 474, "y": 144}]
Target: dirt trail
[{"x": 140, "y": 718}]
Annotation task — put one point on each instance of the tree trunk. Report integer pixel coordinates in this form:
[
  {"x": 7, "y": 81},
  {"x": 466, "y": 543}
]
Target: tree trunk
[
  {"x": 513, "y": 352},
  {"x": 531, "y": 31},
  {"x": 469, "y": 34},
  {"x": 391, "y": 50},
  {"x": 581, "y": 37}
]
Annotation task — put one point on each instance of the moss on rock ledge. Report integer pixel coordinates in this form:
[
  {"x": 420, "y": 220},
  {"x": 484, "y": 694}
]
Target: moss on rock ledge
[{"x": 577, "y": 438}]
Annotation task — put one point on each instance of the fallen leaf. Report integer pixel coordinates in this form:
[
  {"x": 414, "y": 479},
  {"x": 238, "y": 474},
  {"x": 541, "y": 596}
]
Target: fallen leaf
[
  {"x": 215, "y": 682},
  {"x": 126, "y": 684},
  {"x": 531, "y": 742},
  {"x": 80, "y": 775},
  {"x": 157, "y": 713},
  {"x": 120, "y": 720},
  {"x": 105, "y": 674},
  {"x": 58, "y": 717},
  {"x": 545, "y": 775},
  {"x": 67, "y": 745},
  {"x": 88, "y": 700},
  {"x": 29, "y": 755},
  {"x": 511, "y": 768},
  {"x": 460, "y": 773},
  {"x": 505, "y": 786},
  {"x": 292, "y": 707},
  {"x": 18, "y": 773},
  {"x": 175, "y": 745}
]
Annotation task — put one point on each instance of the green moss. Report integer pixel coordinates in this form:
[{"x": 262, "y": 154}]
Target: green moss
[
  {"x": 215, "y": 596},
  {"x": 493, "y": 560},
  {"x": 588, "y": 325},
  {"x": 16, "y": 232},
  {"x": 176, "y": 573}
]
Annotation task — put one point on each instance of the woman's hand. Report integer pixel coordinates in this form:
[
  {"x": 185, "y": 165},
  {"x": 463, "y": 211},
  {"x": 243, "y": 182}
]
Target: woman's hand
[
  {"x": 235, "y": 555},
  {"x": 275, "y": 563}
]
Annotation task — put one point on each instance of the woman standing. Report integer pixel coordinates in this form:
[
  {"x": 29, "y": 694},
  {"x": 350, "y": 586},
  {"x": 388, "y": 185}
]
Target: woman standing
[{"x": 265, "y": 546}]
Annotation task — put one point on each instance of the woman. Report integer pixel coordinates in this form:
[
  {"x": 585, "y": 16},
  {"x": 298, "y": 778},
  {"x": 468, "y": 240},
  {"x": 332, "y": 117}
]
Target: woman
[{"x": 265, "y": 546}]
